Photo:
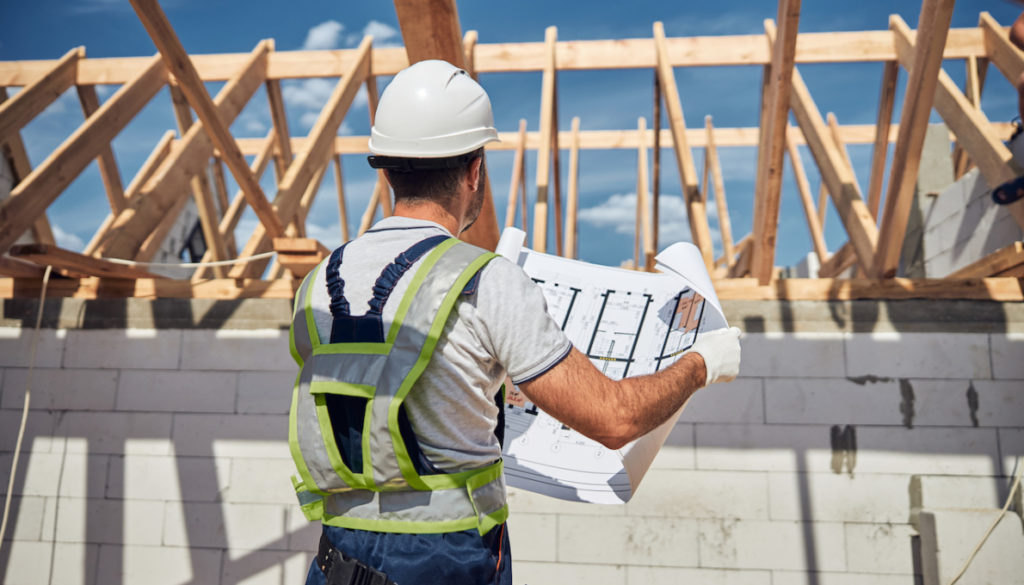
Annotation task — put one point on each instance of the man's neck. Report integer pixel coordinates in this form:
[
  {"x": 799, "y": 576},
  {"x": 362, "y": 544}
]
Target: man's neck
[{"x": 430, "y": 211}]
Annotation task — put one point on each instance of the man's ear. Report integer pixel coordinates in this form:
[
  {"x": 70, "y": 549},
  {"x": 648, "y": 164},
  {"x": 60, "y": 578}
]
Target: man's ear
[{"x": 473, "y": 176}]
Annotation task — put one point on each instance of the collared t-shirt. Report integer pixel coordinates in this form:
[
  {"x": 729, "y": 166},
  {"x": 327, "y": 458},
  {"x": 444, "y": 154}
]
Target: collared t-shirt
[{"x": 502, "y": 327}]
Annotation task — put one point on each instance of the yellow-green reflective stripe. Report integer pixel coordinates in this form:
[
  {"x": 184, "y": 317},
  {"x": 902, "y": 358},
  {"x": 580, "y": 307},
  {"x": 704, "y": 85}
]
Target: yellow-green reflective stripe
[
  {"x": 493, "y": 519},
  {"x": 314, "y": 335},
  {"x": 414, "y": 285},
  {"x": 364, "y": 348},
  {"x": 447, "y": 481},
  {"x": 343, "y": 388},
  {"x": 367, "y": 454},
  {"x": 405, "y": 464},
  {"x": 406, "y": 527},
  {"x": 333, "y": 454},
  {"x": 293, "y": 442}
]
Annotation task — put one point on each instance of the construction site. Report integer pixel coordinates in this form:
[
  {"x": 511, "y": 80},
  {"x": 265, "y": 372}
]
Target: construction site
[{"x": 875, "y": 432}]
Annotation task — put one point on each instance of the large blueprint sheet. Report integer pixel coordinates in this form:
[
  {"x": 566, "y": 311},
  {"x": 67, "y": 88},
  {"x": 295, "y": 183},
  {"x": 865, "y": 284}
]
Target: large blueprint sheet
[{"x": 628, "y": 323}]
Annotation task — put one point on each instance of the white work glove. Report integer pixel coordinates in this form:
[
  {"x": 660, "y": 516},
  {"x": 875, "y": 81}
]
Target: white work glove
[{"x": 721, "y": 352}]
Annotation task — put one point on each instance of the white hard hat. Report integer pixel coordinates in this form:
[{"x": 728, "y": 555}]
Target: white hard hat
[{"x": 432, "y": 109}]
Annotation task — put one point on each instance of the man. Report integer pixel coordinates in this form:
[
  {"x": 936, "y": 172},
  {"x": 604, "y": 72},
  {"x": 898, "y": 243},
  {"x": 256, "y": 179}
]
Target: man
[{"x": 396, "y": 415}]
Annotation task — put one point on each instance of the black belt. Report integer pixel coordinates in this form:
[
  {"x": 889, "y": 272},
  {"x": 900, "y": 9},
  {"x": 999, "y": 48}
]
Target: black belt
[{"x": 342, "y": 569}]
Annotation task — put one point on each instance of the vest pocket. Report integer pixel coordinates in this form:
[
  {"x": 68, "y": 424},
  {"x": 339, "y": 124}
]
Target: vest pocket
[{"x": 342, "y": 411}]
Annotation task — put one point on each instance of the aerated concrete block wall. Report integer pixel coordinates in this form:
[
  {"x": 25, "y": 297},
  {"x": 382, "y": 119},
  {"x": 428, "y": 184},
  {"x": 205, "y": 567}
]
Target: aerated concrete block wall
[{"x": 156, "y": 451}]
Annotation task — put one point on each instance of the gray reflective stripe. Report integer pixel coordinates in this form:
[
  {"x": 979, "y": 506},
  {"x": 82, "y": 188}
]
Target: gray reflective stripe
[
  {"x": 409, "y": 343},
  {"x": 348, "y": 367},
  {"x": 311, "y": 441},
  {"x": 418, "y": 506}
]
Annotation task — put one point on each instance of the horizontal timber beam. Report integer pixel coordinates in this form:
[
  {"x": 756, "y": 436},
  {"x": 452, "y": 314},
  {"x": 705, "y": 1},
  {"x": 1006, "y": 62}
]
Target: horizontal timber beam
[{"x": 831, "y": 47}]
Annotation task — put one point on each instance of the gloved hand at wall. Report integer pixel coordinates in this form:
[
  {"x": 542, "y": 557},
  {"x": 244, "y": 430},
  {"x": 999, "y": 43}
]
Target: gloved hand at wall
[{"x": 721, "y": 352}]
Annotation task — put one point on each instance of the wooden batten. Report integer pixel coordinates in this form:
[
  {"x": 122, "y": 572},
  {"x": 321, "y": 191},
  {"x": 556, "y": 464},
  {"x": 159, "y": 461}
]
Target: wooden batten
[
  {"x": 645, "y": 233},
  {"x": 1006, "y": 261},
  {"x": 571, "y": 249},
  {"x": 886, "y": 103},
  {"x": 804, "y": 189},
  {"x": 721, "y": 204},
  {"x": 838, "y": 263},
  {"x": 695, "y": 203},
  {"x": 339, "y": 186},
  {"x": 109, "y": 173},
  {"x": 299, "y": 255},
  {"x": 518, "y": 174},
  {"x": 280, "y": 121},
  {"x": 547, "y": 128},
  {"x": 38, "y": 94}
]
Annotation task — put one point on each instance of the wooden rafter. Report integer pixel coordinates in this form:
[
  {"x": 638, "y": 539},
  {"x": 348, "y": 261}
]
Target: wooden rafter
[
  {"x": 973, "y": 82},
  {"x": 109, "y": 173},
  {"x": 886, "y": 102},
  {"x": 179, "y": 63},
  {"x": 571, "y": 249},
  {"x": 998, "y": 48},
  {"x": 518, "y": 172},
  {"x": 339, "y": 186},
  {"x": 695, "y": 203},
  {"x": 547, "y": 113},
  {"x": 919, "y": 95},
  {"x": 32, "y": 196},
  {"x": 644, "y": 258},
  {"x": 714, "y": 166},
  {"x": 14, "y": 150},
  {"x": 1006, "y": 261},
  {"x": 38, "y": 93},
  {"x": 165, "y": 191},
  {"x": 769, "y": 186},
  {"x": 279, "y": 119},
  {"x": 804, "y": 189}
]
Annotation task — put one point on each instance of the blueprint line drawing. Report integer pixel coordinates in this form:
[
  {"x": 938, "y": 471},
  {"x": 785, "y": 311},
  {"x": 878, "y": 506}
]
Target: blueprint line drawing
[{"x": 627, "y": 323}]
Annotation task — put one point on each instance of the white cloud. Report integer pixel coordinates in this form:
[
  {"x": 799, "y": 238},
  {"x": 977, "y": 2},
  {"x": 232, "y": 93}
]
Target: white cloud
[
  {"x": 66, "y": 240},
  {"x": 618, "y": 212},
  {"x": 310, "y": 94},
  {"x": 323, "y": 36},
  {"x": 384, "y": 35},
  {"x": 308, "y": 119}
]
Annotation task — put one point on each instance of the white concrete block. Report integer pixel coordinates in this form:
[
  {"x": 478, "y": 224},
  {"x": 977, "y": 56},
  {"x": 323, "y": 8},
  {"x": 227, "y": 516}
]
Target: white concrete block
[
  {"x": 259, "y": 567},
  {"x": 77, "y": 563},
  {"x": 943, "y": 491},
  {"x": 677, "y": 452},
  {"x": 26, "y": 518},
  {"x": 675, "y": 576},
  {"x": 265, "y": 392},
  {"x": 27, "y": 564},
  {"x": 76, "y": 475},
  {"x": 1000, "y": 402},
  {"x": 158, "y": 565},
  {"x": 38, "y": 437},
  {"x": 880, "y": 548},
  {"x": 793, "y": 355},
  {"x": 534, "y": 573},
  {"x": 262, "y": 481},
  {"x": 939, "y": 402},
  {"x": 1007, "y": 352},
  {"x": 523, "y": 501},
  {"x": 167, "y": 478},
  {"x": 701, "y": 494},
  {"x": 533, "y": 537},
  {"x": 98, "y": 521},
  {"x": 123, "y": 348},
  {"x": 926, "y": 451},
  {"x": 763, "y": 447},
  {"x": 832, "y": 401},
  {"x": 54, "y": 389},
  {"x": 804, "y": 578},
  {"x": 628, "y": 540},
  {"x": 760, "y": 544},
  {"x": 830, "y": 497},
  {"x": 176, "y": 391},
  {"x": 235, "y": 349},
  {"x": 949, "y": 536},
  {"x": 111, "y": 432},
  {"x": 227, "y": 435},
  {"x": 918, "y": 355},
  {"x": 16, "y": 347},
  {"x": 1011, "y": 450},
  {"x": 216, "y": 525},
  {"x": 741, "y": 400}
]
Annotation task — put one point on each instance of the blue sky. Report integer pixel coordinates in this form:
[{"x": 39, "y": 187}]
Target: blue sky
[{"x": 46, "y": 29}]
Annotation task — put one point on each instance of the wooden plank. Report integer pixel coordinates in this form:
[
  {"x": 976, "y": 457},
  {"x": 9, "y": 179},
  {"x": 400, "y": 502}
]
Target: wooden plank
[
  {"x": 155, "y": 158},
  {"x": 1002, "y": 260},
  {"x": 917, "y": 105},
  {"x": 766, "y": 223},
  {"x": 656, "y": 172},
  {"x": 556, "y": 171},
  {"x": 166, "y": 40},
  {"x": 339, "y": 184},
  {"x": 38, "y": 94},
  {"x": 547, "y": 112},
  {"x": 518, "y": 161},
  {"x": 824, "y": 289},
  {"x": 700, "y": 232},
  {"x": 14, "y": 150},
  {"x": 431, "y": 30},
  {"x": 32, "y": 196},
  {"x": 625, "y": 139},
  {"x": 571, "y": 249},
  {"x": 804, "y": 188},
  {"x": 715, "y": 166},
  {"x": 822, "y": 204},
  {"x": 152, "y": 288},
  {"x": 299, "y": 255},
  {"x": 646, "y": 235},
  {"x": 280, "y": 121},
  {"x": 161, "y": 194},
  {"x": 109, "y": 173},
  {"x": 837, "y": 175},
  {"x": 744, "y": 252},
  {"x": 886, "y": 103},
  {"x": 972, "y": 90},
  {"x": 998, "y": 48},
  {"x": 301, "y": 171},
  {"x": 700, "y": 51},
  {"x": 838, "y": 263},
  {"x": 221, "y": 191},
  {"x": 75, "y": 263}
]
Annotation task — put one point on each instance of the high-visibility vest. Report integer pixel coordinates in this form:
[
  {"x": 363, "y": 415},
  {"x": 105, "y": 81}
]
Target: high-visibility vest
[{"x": 358, "y": 461}]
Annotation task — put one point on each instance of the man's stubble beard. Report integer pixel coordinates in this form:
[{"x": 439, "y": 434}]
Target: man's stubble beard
[{"x": 478, "y": 198}]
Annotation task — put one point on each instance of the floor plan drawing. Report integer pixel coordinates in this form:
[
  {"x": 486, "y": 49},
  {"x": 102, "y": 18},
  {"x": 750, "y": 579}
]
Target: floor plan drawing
[{"x": 628, "y": 323}]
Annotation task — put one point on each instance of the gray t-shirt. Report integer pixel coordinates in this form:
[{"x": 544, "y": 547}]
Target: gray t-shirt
[{"x": 501, "y": 328}]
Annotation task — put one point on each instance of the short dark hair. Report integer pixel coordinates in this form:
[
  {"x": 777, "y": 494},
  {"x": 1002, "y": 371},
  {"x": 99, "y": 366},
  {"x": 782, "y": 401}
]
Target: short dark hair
[{"x": 429, "y": 184}]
